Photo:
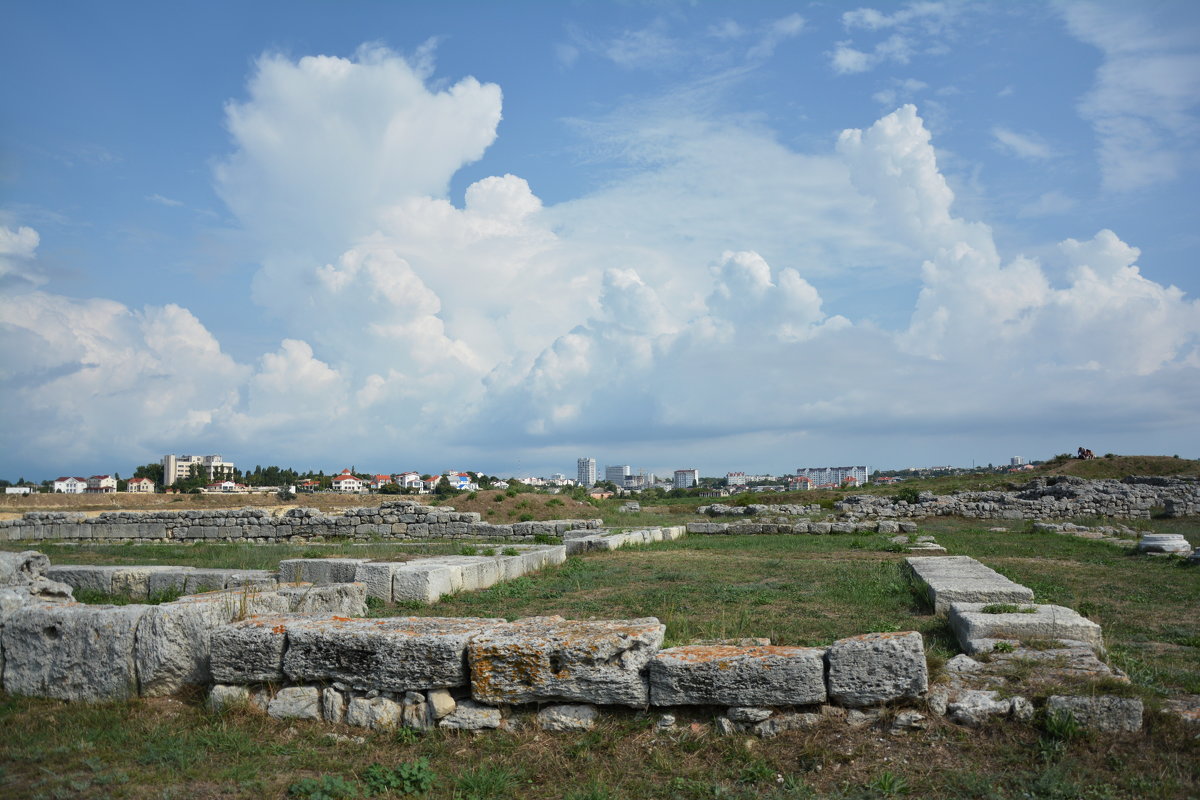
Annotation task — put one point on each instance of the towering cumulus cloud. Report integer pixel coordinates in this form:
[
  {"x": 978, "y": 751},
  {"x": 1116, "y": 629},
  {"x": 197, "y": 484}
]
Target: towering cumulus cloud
[{"x": 411, "y": 326}]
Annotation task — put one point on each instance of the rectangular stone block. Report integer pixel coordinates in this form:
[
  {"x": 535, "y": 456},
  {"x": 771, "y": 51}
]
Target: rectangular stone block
[
  {"x": 88, "y": 577},
  {"x": 976, "y": 630},
  {"x": 951, "y": 579},
  {"x": 543, "y": 659},
  {"x": 319, "y": 570},
  {"x": 344, "y": 599},
  {"x": 393, "y": 654},
  {"x": 425, "y": 583},
  {"x": 377, "y": 577},
  {"x": 174, "y": 639},
  {"x": 737, "y": 676},
  {"x": 249, "y": 651},
  {"x": 877, "y": 668},
  {"x": 71, "y": 651},
  {"x": 169, "y": 580}
]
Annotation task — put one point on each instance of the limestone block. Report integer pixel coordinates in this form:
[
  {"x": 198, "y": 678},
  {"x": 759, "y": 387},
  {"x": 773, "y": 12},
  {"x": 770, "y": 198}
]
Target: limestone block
[
  {"x": 296, "y": 702},
  {"x": 424, "y": 583},
  {"x": 333, "y": 705},
  {"x": 70, "y": 651},
  {"x": 1103, "y": 713},
  {"x": 549, "y": 658},
  {"x": 222, "y": 696},
  {"x": 249, "y": 651},
  {"x": 377, "y": 577},
  {"x": 23, "y": 567},
  {"x": 319, "y": 570},
  {"x": 974, "y": 628},
  {"x": 1164, "y": 543},
  {"x": 87, "y": 577},
  {"x": 471, "y": 716},
  {"x": 737, "y": 676},
  {"x": 135, "y": 581},
  {"x": 441, "y": 703},
  {"x": 374, "y": 712},
  {"x": 567, "y": 718},
  {"x": 208, "y": 580},
  {"x": 951, "y": 579},
  {"x": 168, "y": 580},
  {"x": 877, "y": 668},
  {"x": 748, "y": 714},
  {"x": 394, "y": 654},
  {"x": 173, "y": 639},
  {"x": 345, "y": 599}
]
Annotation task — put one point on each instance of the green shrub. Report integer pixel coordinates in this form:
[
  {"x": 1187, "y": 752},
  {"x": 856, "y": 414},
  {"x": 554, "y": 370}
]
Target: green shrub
[
  {"x": 511, "y": 551},
  {"x": 466, "y": 550},
  {"x": 499, "y": 498},
  {"x": 327, "y": 787},
  {"x": 544, "y": 538},
  {"x": 909, "y": 494},
  {"x": 405, "y": 778},
  {"x": 525, "y": 518}
]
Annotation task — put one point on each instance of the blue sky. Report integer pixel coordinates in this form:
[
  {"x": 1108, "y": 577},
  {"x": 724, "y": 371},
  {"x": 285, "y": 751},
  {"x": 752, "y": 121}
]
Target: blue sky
[{"x": 748, "y": 236}]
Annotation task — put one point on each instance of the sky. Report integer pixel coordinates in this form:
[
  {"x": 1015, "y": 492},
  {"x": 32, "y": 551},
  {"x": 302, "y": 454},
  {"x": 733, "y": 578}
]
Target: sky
[{"x": 748, "y": 236}]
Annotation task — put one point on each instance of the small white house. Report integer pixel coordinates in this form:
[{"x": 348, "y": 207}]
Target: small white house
[
  {"x": 140, "y": 486},
  {"x": 101, "y": 484},
  {"x": 346, "y": 482}
]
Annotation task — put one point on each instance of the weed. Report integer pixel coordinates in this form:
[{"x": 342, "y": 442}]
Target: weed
[
  {"x": 545, "y": 538},
  {"x": 756, "y": 772},
  {"x": 487, "y": 782},
  {"x": 510, "y": 551},
  {"x": 327, "y": 787},
  {"x": 499, "y": 498},
  {"x": 471, "y": 496},
  {"x": 1062, "y": 726},
  {"x": 407, "y": 736},
  {"x": 525, "y": 518},
  {"x": 1003, "y": 647},
  {"x": 375, "y": 602},
  {"x": 889, "y": 784},
  {"x": 407, "y": 778},
  {"x": 466, "y": 550}
]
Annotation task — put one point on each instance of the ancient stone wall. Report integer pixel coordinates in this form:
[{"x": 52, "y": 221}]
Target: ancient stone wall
[
  {"x": 1044, "y": 498},
  {"x": 393, "y": 520}
]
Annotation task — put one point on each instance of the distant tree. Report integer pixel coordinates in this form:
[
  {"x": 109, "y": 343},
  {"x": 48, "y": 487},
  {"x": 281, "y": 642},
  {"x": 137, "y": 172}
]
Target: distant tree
[{"x": 152, "y": 471}]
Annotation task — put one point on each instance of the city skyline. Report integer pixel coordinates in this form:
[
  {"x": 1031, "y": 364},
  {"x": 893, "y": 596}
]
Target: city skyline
[{"x": 728, "y": 236}]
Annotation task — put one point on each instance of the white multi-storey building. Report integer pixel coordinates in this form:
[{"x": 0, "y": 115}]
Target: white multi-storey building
[
  {"x": 180, "y": 467},
  {"x": 686, "y": 478},
  {"x": 140, "y": 486},
  {"x": 587, "y": 471},
  {"x": 101, "y": 484},
  {"x": 735, "y": 479},
  {"x": 835, "y": 476}
]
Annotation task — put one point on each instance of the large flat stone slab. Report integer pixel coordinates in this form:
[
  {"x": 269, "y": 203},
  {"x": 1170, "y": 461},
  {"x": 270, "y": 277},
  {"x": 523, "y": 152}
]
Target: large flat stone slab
[
  {"x": 977, "y": 631},
  {"x": 543, "y": 659},
  {"x": 951, "y": 579},
  {"x": 345, "y": 599},
  {"x": 71, "y": 651},
  {"x": 394, "y": 654},
  {"x": 737, "y": 676},
  {"x": 877, "y": 668}
]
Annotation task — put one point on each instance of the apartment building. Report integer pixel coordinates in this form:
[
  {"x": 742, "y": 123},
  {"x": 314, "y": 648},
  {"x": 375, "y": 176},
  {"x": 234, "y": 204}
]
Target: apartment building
[{"x": 180, "y": 467}]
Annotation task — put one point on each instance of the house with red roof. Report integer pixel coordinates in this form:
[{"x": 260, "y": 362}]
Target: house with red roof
[
  {"x": 380, "y": 481},
  {"x": 101, "y": 484},
  {"x": 69, "y": 485},
  {"x": 140, "y": 486},
  {"x": 346, "y": 482}
]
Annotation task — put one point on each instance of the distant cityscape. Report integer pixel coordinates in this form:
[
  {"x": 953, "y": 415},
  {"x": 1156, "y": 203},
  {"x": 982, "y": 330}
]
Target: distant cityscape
[{"x": 213, "y": 474}]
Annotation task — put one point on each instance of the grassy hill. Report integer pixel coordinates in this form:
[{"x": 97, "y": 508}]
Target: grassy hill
[{"x": 1121, "y": 466}]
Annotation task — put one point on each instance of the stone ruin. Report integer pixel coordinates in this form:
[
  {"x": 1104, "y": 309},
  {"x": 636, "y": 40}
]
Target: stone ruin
[{"x": 303, "y": 650}]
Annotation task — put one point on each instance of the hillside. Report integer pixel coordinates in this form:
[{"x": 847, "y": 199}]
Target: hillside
[{"x": 1121, "y": 466}]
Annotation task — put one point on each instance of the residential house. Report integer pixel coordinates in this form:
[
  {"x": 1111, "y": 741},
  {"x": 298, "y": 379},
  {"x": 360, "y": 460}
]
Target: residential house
[
  {"x": 380, "y": 481},
  {"x": 346, "y": 482},
  {"x": 408, "y": 480},
  {"x": 101, "y": 484},
  {"x": 70, "y": 485},
  {"x": 140, "y": 486},
  {"x": 308, "y": 486}
]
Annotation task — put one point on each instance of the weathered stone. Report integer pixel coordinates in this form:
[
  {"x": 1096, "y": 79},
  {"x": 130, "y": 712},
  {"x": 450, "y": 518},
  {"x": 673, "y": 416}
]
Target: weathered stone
[
  {"x": 548, "y": 658},
  {"x": 779, "y": 723},
  {"x": 394, "y": 654},
  {"x": 727, "y": 727},
  {"x": 174, "y": 639},
  {"x": 296, "y": 702},
  {"x": 907, "y": 720},
  {"x": 566, "y": 718},
  {"x": 70, "y": 651},
  {"x": 471, "y": 716},
  {"x": 333, "y": 705},
  {"x": 1164, "y": 543},
  {"x": 976, "y": 629},
  {"x": 748, "y": 714},
  {"x": 250, "y": 651},
  {"x": 319, "y": 570},
  {"x": 722, "y": 675},
  {"x": 222, "y": 696},
  {"x": 877, "y": 668},
  {"x": 973, "y": 707},
  {"x": 23, "y": 567},
  {"x": 374, "y": 712},
  {"x": 168, "y": 581},
  {"x": 950, "y": 579},
  {"x": 344, "y": 599},
  {"x": 1103, "y": 713},
  {"x": 415, "y": 711},
  {"x": 424, "y": 583},
  {"x": 858, "y": 718},
  {"x": 441, "y": 703}
]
